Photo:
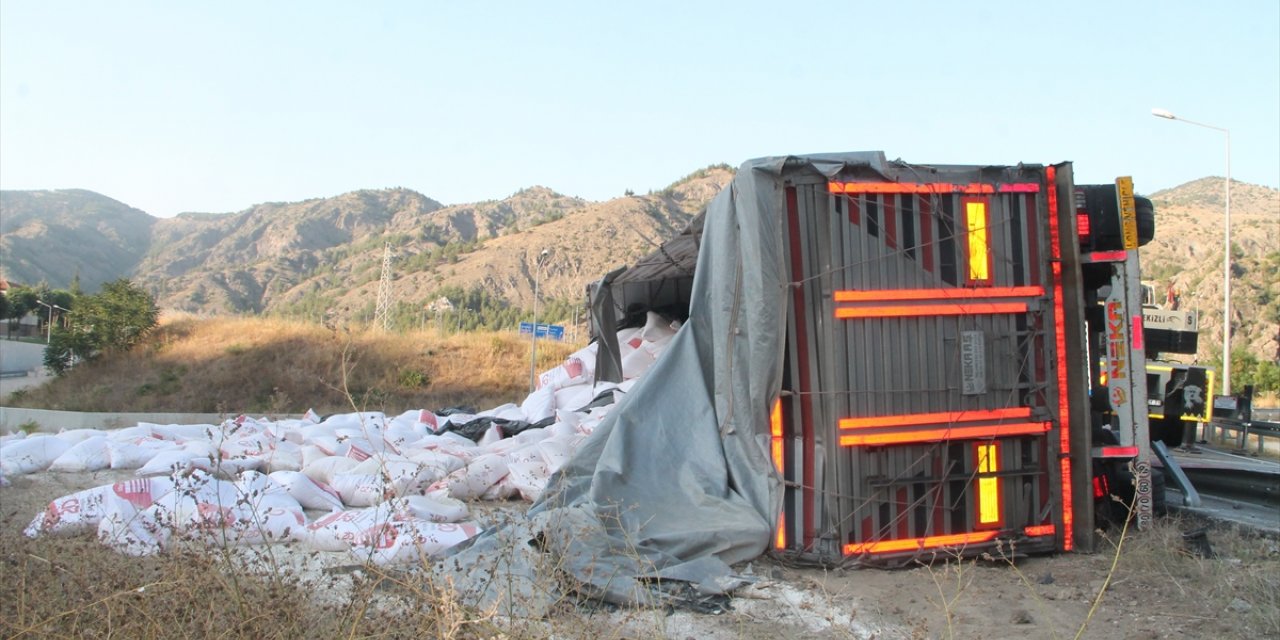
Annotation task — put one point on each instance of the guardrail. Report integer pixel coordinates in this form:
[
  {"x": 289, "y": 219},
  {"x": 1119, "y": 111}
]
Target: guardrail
[{"x": 1261, "y": 429}]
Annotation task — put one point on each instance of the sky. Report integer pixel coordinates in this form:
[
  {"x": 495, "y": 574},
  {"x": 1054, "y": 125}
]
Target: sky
[{"x": 217, "y": 106}]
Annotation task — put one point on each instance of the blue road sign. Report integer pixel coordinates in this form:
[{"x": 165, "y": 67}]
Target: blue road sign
[{"x": 553, "y": 331}]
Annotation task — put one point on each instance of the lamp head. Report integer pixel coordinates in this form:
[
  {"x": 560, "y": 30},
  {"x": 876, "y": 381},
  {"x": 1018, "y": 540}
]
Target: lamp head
[{"x": 1163, "y": 113}]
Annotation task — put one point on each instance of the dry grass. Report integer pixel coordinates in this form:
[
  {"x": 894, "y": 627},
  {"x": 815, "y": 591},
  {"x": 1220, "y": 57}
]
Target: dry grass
[
  {"x": 1240, "y": 583},
  {"x": 56, "y": 587},
  {"x": 277, "y": 366},
  {"x": 74, "y": 588},
  {"x": 1154, "y": 575}
]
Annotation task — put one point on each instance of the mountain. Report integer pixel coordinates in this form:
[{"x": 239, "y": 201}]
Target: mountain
[
  {"x": 322, "y": 258},
  {"x": 1187, "y": 256},
  {"x": 50, "y": 236},
  {"x": 493, "y": 246},
  {"x": 241, "y": 262}
]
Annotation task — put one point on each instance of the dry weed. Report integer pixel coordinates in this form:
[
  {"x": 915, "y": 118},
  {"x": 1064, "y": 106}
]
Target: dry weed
[{"x": 273, "y": 366}]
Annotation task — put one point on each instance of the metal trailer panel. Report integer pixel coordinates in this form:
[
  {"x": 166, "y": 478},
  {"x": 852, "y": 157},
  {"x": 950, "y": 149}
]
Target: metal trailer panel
[{"x": 922, "y": 363}]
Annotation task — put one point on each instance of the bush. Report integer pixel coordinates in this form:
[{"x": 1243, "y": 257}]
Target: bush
[{"x": 114, "y": 319}]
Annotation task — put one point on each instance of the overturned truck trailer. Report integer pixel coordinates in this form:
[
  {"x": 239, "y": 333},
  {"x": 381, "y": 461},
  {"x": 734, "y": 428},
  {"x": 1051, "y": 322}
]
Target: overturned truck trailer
[{"x": 930, "y": 387}]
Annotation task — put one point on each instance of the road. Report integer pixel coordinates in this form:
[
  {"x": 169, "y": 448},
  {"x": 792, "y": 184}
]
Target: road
[{"x": 22, "y": 365}]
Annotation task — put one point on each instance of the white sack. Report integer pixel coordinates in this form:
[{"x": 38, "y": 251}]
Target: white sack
[
  {"x": 323, "y": 470},
  {"x": 472, "y": 481},
  {"x": 126, "y": 455},
  {"x": 91, "y": 454},
  {"x": 308, "y": 493},
  {"x": 34, "y": 453}
]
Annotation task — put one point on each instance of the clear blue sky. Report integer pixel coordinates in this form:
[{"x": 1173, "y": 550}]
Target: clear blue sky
[{"x": 216, "y": 106}]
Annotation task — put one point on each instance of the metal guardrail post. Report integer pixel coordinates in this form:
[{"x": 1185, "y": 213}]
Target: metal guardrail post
[{"x": 1190, "y": 497}]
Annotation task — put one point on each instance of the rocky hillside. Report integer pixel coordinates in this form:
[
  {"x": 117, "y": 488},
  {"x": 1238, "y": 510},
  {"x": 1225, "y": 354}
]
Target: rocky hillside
[
  {"x": 51, "y": 236},
  {"x": 1187, "y": 256},
  {"x": 494, "y": 246},
  {"x": 242, "y": 262},
  {"x": 321, "y": 259}
]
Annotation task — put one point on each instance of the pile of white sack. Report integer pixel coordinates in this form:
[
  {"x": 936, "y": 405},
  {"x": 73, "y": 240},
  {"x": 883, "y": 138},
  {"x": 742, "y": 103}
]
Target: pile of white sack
[{"x": 385, "y": 489}]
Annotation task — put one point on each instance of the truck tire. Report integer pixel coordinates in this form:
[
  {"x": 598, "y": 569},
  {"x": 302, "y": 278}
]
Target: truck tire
[
  {"x": 1114, "y": 509},
  {"x": 1159, "y": 500}
]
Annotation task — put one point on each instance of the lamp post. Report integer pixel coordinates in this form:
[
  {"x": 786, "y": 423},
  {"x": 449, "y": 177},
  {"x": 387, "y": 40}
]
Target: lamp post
[
  {"x": 533, "y": 353},
  {"x": 1226, "y": 252},
  {"x": 48, "y": 337}
]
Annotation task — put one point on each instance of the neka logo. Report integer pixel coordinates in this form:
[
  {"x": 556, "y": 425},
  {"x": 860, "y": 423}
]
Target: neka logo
[{"x": 1117, "y": 351}]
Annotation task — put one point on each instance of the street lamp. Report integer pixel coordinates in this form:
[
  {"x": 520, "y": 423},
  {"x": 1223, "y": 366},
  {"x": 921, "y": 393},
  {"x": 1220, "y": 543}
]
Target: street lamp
[
  {"x": 533, "y": 354},
  {"x": 49, "y": 328},
  {"x": 1226, "y": 253}
]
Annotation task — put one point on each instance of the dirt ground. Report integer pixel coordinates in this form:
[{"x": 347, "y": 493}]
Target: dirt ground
[{"x": 1158, "y": 589}]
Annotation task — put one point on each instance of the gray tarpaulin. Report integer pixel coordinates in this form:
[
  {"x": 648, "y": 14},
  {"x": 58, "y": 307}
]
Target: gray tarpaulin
[{"x": 676, "y": 483}]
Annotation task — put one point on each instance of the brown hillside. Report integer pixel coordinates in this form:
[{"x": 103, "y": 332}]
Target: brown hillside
[
  {"x": 1187, "y": 255},
  {"x": 583, "y": 244}
]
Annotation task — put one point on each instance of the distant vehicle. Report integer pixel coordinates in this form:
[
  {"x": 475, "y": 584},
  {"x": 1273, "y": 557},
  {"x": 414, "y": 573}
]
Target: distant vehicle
[{"x": 1179, "y": 395}]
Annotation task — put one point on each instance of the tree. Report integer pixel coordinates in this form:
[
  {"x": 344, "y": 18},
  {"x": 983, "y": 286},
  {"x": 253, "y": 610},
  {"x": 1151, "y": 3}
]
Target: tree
[
  {"x": 114, "y": 319},
  {"x": 19, "y": 301},
  {"x": 1247, "y": 368},
  {"x": 22, "y": 300}
]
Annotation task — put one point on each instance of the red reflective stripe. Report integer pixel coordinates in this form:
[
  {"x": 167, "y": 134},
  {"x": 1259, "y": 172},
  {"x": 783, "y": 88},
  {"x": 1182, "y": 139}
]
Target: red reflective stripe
[
  {"x": 949, "y": 433},
  {"x": 1039, "y": 530},
  {"x": 969, "y": 309},
  {"x": 1119, "y": 452},
  {"x": 1060, "y": 344},
  {"x": 1136, "y": 333},
  {"x": 937, "y": 187},
  {"x": 1105, "y": 256},
  {"x": 879, "y": 295},
  {"x": 915, "y": 544},
  {"x": 946, "y": 417}
]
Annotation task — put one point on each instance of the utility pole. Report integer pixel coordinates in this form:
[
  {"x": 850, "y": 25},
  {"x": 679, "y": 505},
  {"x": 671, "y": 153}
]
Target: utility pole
[
  {"x": 533, "y": 352},
  {"x": 382, "y": 313}
]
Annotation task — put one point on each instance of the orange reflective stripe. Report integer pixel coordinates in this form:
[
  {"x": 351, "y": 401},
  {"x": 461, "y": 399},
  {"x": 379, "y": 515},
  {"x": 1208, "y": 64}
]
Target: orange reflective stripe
[
  {"x": 949, "y": 433},
  {"x": 878, "y": 295},
  {"x": 915, "y": 544},
  {"x": 945, "y": 417},
  {"x": 973, "y": 308},
  {"x": 936, "y": 187},
  {"x": 1040, "y": 530},
  {"x": 775, "y": 431}
]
